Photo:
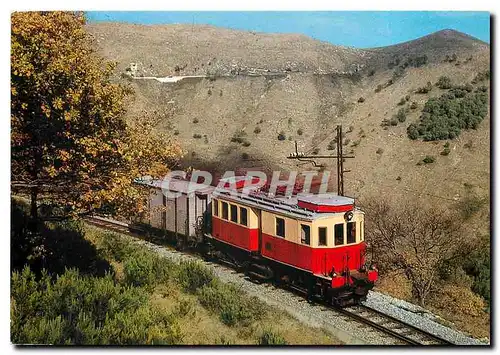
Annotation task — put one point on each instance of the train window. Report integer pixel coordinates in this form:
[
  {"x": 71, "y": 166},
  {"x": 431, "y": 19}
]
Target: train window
[
  {"x": 339, "y": 234},
  {"x": 305, "y": 236},
  {"x": 225, "y": 210},
  {"x": 322, "y": 235},
  {"x": 243, "y": 216},
  {"x": 215, "y": 204},
  {"x": 351, "y": 232},
  {"x": 280, "y": 227},
  {"x": 361, "y": 235},
  {"x": 234, "y": 213}
]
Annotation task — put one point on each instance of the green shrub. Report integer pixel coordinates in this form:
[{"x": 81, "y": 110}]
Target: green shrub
[
  {"x": 281, "y": 136},
  {"x": 176, "y": 132},
  {"x": 230, "y": 303},
  {"x": 361, "y": 100},
  {"x": 446, "y": 151},
  {"x": 75, "y": 309},
  {"x": 244, "y": 156},
  {"x": 401, "y": 115},
  {"x": 347, "y": 141},
  {"x": 470, "y": 205},
  {"x": 425, "y": 89},
  {"x": 246, "y": 143},
  {"x": 144, "y": 268},
  {"x": 300, "y": 132},
  {"x": 429, "y": 159},
  {"x": 402, "y": 101},
  {"x": 379, "y": 88},
  {"x": 379, "y": 151},
  {"x": 193, "y": 275},
  {"x": 257, "y": 130},
  {"x": 371, "y": 72},
  {"x": 196, "y": 120},
  {"x": 238, "y": 137},
  {"x": 332, "y": 145},
  {"x": 478, "y": 266},
  {"x": 269, "y": 337},
  {"x": 482, "y": 76},
  {"x": 444, "y": 117},
  {"x": 444, "y": 83},
  {"x": 413, "y": 105},
  {"x": 315, "y": 151},
  {"x": 394, "y": 121},
  {"x": 197, "y": 136}
]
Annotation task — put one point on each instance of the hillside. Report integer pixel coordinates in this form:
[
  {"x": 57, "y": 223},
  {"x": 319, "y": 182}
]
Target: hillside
[{"x": 265, "y": 84}]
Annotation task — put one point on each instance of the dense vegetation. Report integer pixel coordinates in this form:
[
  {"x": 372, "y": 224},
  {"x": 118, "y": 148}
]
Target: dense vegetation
[
  {"x": 446, "y": 116},
  {"x": 443, "y": 264},
  {"x": 99, "y": 288}
]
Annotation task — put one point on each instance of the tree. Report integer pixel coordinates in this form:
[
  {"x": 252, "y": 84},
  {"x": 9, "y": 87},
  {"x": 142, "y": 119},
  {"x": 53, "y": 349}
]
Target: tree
[
  {"x": 70, "y": 143},
  {"x": 413, "y": 240}
]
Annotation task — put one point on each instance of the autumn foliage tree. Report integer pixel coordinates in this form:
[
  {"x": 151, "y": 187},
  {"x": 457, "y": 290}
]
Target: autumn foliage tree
[
  {"x": 414, "y": 240},
  {"x": 70, "y": 143}
]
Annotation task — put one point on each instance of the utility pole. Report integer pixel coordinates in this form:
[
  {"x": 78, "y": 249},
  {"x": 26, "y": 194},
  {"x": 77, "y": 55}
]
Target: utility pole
[{"x": 340, "y": 160}]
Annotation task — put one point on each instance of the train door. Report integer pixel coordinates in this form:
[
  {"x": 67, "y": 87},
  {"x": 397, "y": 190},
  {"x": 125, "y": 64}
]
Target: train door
[{"x": 259, "y": 226}]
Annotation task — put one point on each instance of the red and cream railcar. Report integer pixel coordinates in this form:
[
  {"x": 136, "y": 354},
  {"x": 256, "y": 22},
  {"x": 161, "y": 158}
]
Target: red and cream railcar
[{"x": 313, "y": 240}]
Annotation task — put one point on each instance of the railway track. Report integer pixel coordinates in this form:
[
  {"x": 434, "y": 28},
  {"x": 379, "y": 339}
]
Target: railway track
[{"x": 406, "y": 334}]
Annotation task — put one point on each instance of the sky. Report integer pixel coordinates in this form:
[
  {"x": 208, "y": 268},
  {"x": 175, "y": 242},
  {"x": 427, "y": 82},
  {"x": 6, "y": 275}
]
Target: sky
[{"x": 361, "y": 29}]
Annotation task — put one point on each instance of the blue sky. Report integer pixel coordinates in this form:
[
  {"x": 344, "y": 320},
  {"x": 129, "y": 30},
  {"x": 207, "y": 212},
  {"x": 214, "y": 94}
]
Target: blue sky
[{"x": 363, "y": 29}]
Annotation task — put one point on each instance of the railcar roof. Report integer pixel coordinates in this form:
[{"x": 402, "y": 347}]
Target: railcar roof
[
  {"x": 177, "y": 185},
  {"x": 281, "y": 204}
]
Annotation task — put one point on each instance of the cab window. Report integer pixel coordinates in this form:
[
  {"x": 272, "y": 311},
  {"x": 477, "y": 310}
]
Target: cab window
[
  {"x": 225, "y": 210},
  {"x": 243, "y": 216},
  {"x": 339, "y": 234},
  {"x": 280, "y": 227},
  {"x": 234, "y": 213},
  {"x": 215, "y": 204},
  {"x": 322, "y": 235},
  {"x": 305, "y": 234},
  {"x": 351, "y": 232}
]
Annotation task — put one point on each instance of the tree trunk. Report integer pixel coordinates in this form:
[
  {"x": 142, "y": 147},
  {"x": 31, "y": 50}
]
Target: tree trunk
[{"x": 33, "y": 225}]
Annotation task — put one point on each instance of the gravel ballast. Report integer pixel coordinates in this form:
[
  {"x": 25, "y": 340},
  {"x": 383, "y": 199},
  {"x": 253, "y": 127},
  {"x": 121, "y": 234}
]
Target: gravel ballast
[{"x": 315, "y": 315}]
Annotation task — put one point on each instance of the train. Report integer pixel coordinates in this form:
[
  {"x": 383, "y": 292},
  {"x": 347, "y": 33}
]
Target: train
[{"x": 310, "y": 241}]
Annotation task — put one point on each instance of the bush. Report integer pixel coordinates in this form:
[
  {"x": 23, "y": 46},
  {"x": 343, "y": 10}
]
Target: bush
[
  {"x": 232, "y": 306},
  {"x": 332, "y": 145},
  {"x": 379, "y": 88},
  {"x": 379, "y": 151},
  {"x": 394, "y": 121},
  {"x": 346, "y": 141},
  {"x": 482, "y": 76},
  {"x": 315, "y": 151},
  {"x": 176, "y": 132},
  {"x": 459, "y": 300},
  {"x": 144, "y": 268},
  {"x": 371, "y": 72},
  {"x": 193, "y": 275},
  {"x": 281, "y": 136},
  {"x": 246, "y": 143},
  {"x": 425, "y": 89},
  {"x": 444, "y": 83},
  {"x": 361, "y": 99},
  {"x": 402, "y": 101},
  {"x": 470, "y": 205},
  {"x": 429, "y": 159},
  {"x": 412, "y": 131},
  {"x": 269, "y": 337},
  {"x": 413, "y": 105},
  {"x": 244, "y": 156},
  {"x": 401, "y": 115},
  {"x": 446, "y": 151},
  {"x": 257, "y": 130},
  {"x": 238, "y": 137},
  {"x": 196, "y": 120},
  {"x": 444, "y": 117},
  {"x": 197, "y": 136},
  {"x": 299, "y": 132},
  {"x": 75, "y": 309}
]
